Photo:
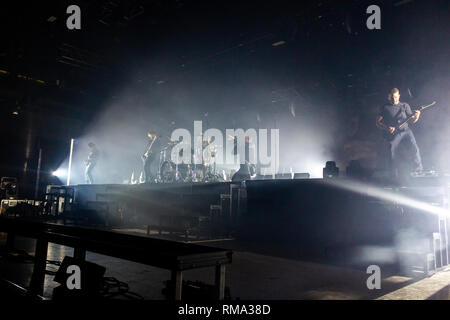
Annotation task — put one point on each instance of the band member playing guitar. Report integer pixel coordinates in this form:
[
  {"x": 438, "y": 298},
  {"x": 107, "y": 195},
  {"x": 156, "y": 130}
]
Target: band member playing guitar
[
  {"x": 393, "y": 119},
  {"x": 149, "y": 156},
  {"x": 91, "y": 162}
]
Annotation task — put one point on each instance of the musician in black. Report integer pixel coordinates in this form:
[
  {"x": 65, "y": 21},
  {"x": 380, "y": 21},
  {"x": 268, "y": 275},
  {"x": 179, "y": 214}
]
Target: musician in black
[
  {"x": 91, "y": 162},
  {"x": 246, "y": 169},
  {"x": 150, "y": 156},
  {"x": 390, "y": 117}
]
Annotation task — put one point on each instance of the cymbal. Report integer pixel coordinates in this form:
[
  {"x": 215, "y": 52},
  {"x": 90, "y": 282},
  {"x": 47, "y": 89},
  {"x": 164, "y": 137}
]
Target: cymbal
[
  {"x": 235, "y": 137},
  {"x": 230, "y": 137}
]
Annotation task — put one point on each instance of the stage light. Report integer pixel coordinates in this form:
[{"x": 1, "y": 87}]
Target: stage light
[
  {"x": 387, "y": 195},
  {"x": 70, "y": 161},
  {"x": 60, "y": 173},
  {"x": 314, "y": 167},
  {"x": 330, "y": 170}
]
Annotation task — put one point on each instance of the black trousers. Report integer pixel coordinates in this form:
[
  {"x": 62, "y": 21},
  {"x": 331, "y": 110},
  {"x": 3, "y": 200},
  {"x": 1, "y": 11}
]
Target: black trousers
[
  {"x": 149, "y": 175},
  {"x": 408, "y": 137}
]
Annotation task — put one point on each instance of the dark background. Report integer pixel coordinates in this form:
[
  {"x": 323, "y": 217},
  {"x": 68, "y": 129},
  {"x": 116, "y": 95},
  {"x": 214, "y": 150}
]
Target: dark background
[{"x": 136, "y": 65}]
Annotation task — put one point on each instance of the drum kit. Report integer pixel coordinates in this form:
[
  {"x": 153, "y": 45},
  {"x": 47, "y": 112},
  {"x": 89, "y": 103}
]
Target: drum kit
[{"x": 170, "y": 171}]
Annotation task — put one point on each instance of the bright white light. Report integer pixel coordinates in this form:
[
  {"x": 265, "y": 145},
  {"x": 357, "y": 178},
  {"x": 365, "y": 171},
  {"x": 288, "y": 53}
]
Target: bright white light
[
  {"x": 70, "y": 161},
  {"x": 313, "y": 167},
  {"x": 60, "y": 173},
  {"x": 387, "y": 195},
  {"x": 316, "y": 170}
]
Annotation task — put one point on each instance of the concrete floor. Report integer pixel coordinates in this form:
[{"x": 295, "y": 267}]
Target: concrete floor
[{"x": 257, "y": 272}]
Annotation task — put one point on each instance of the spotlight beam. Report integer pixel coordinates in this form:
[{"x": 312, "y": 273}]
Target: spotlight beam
[
  {"x": 380, "y": 193},
  {"x": 59, "y": 173}
]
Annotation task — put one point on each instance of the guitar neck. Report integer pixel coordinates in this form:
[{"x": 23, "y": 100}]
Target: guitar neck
[
  {"x": 150, "y": 147},
  {"x": 407, "y": 120},
  {"x": 412, "y": 116}
]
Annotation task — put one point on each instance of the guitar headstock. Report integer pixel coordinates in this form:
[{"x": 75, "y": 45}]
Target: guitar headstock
[{"x": 427, "y": 106}]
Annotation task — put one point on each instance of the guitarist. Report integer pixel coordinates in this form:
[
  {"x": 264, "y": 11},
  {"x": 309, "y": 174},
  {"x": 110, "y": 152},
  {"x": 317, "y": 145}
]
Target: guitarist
[
  {"x": 392, "y": 115},
  {"x": 149, "y": 156},
  {"x": 91, "y": 162}
]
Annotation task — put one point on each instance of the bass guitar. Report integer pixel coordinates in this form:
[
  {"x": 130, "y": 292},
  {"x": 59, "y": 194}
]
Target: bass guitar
[{"x": 403, "y": 124}]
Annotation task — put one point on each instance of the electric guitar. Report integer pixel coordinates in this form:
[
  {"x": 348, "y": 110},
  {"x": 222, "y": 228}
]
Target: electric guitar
[
  {"x": 149, "y": 150},
  {"x": 92, "y": 158},
  {"x": 402, "y": 125}
]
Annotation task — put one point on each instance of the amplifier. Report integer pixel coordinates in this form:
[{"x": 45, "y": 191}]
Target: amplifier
[
  {"x": 7, "y": 204},
  {"x": 9, "y": 187}
]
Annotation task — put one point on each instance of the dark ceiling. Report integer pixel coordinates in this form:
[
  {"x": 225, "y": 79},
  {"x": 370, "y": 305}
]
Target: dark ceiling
[{"x": 53, "y": 81}]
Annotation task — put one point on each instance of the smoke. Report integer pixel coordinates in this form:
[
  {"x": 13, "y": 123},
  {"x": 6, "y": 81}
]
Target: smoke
[
  {"x": 307, "y": 141},
  {"x": 433, "y": 128},
  {"x": 407, "y": 252},
  {"x": 307, "y": 122},
  {"x": 374, "y": 254},
  {"x": 220, "y": 99}
]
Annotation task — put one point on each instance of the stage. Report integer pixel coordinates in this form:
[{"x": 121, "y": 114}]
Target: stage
[
  {"x": 305, "y": 231},
  {"x": 319, "y": 217}
]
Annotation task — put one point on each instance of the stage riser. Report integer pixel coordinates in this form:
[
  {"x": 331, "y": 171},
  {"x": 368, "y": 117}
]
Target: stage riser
[
  {"x": 314, "y": 215},
  {"x": 309, "y": 213},
  {"x": 147, "y": 202}
]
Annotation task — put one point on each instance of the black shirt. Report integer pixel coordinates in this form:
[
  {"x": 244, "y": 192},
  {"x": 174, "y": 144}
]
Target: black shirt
[
  {"x": 395, "y": 114},
  {"x": 93, "y": 156},
  {"x": 156, "y": 147}
]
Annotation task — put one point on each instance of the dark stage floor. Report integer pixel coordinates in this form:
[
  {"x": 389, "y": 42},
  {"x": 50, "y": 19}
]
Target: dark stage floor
[
  {"x": 257, "y": 272},
  {"x": 291, "y": 239}
]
